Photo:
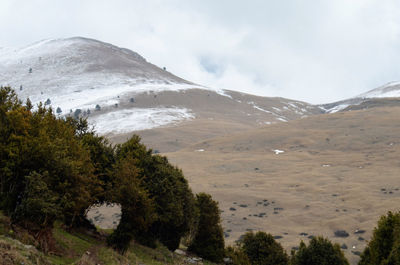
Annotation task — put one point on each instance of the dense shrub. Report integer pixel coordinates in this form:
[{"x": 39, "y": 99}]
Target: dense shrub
[
  {"x": 261, "y": 248},
  {"x": 236, "y": 256},
  {"x": 384, "y": 246},
  {"x": 320, "y": 251},
  {"x": 208, "y": 241}
]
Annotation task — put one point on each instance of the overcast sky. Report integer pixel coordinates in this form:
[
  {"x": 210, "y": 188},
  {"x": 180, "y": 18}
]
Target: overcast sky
[{"x": 313, "y": 50}]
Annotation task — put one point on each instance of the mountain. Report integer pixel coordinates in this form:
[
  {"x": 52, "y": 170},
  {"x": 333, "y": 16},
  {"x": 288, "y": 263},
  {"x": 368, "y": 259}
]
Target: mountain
[
  {"x": 274, "y": 164},
  {"x": 120, "y": 92},
  {"x": 365, "y": 100}
]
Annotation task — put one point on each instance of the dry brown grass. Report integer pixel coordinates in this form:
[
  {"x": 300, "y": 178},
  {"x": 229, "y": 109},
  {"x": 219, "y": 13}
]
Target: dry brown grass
[{"x": 338, "y": 172}]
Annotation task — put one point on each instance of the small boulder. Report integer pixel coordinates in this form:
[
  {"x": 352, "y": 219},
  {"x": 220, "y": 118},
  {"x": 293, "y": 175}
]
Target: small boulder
[{"x": 341, "y": 233}]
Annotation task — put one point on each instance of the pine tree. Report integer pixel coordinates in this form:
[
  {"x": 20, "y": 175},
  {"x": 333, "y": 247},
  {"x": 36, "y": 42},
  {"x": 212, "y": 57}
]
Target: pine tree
[
  {"x": 385, "y": 243},
  {"x": 208, "y": 241},
  {"x": 320, "y": 251},
  {"x": 261, "y": 248}
]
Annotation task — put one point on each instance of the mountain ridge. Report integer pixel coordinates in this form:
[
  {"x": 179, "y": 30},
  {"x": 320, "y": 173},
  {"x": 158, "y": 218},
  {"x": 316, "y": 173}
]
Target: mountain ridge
[{"x": 107, "y": 84}]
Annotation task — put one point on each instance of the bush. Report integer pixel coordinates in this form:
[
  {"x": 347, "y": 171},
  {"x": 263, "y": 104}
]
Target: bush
[
  {"x": 208, "y": 241},
  {"x": 261, "y": 248},
  {"x": 320, "y": 251},
  {"x": 237, "y": 256},
  {"x": 385, "y": 243}
]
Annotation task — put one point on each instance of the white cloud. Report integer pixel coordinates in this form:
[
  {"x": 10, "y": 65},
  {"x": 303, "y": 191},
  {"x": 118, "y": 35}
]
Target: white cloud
[{"x": 317, "y": 51}]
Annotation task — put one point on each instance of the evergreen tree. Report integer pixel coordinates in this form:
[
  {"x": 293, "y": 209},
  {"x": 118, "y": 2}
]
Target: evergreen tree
[
  {"x": 170, "y": 190},
  {"x": 208, "y": 241},
  {"x": 38, "y": 208},
  {"x": 262, "y": 249},
  {"x": 136, "y": 207},
  {"x": 320, "y": 251},
  {"x": 385, "y": 243}
]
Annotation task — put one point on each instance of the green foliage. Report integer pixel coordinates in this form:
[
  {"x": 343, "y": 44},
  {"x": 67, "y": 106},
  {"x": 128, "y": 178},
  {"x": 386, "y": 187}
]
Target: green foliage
[
  {"x": 55, "y": 168},
  {"x": 237, "y": 256},
  {"x": 38, "y": 203},
  {"x": 166, "y": 185},
  {"x": 384, "y": 246},
  {"x": 320, "y": 251},
  {"x": 39, "y": 142},
  {"x": 102, "y": 157},
  {"x": 208, "y": 241},
  {"x": 136, "y": 206},
  {"x": 261, "y": 248}
]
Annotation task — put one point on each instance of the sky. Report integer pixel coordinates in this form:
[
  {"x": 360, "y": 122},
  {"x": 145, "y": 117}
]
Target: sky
[{"x": 318, "y": 51}]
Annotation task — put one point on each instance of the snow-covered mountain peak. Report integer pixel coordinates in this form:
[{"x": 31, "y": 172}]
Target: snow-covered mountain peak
[
  {"x": 388, "y": 90},
  {"x": 119, "y": 91},
  {"x": 58, "y": 69}
]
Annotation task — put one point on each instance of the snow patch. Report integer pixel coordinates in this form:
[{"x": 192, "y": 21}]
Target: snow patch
[
  {"x": 337, "y": 108},
  {"x": 128, "y": 120}
]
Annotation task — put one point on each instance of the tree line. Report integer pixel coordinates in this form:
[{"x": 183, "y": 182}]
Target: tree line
[{"x": 55, "y": 168}]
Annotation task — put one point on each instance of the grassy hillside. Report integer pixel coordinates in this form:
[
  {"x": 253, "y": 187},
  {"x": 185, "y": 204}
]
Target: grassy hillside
[
  {"x": 78, "y": 247},
  {"x": 337, "y": 172}
]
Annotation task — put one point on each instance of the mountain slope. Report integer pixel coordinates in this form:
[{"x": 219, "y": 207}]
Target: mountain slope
[
  {"x": 390, "y": 90},
  {"x": 120, "y": 92},
  {"x": 303, "y": 178}
]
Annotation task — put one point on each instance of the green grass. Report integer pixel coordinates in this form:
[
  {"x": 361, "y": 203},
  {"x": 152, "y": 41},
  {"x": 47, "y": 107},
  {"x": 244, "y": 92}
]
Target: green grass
[{"x": 73, "y": 247}]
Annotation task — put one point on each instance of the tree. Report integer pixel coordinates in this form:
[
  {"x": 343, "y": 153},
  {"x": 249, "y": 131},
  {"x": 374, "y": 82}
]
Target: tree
[
  {"x": 261, "y": 248},
  {"x": 97, "y": 107},
  {"x": 320, "y": 251},
  {"x": 103, "y": 160},
  {"x": 58, "y": 110},
  {"x": 137, "y": 209},
  {"x": 38, "y": 205},
  {"x": 77, "y": 112},
  {"x": 385, "y": 243},
  {"x": 208, "y": 241},
  {"x": 48, "y": 102},
  {"x": 174, "y": 201},
  {"x": 28, "y": 104}
]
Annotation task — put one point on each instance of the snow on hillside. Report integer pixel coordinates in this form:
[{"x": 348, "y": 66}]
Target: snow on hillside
[
  {"x": 124, "y": 121},
  {"x": 84, "y": 75},
  {"x": 79, "y": 73},
  {"x": 386, "y": 91}
]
